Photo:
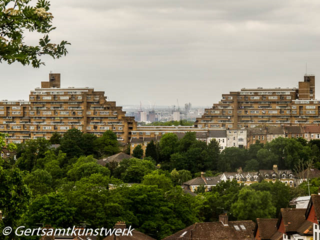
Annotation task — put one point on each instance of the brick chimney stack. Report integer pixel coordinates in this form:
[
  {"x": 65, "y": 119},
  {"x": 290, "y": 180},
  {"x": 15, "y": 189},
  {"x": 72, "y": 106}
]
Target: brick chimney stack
[
  {"x": 223, "y": 218},
  {"x": 275, "y": 168},
  {"x": 120, "y": 224},
  {"x": 0, "y": 215}
]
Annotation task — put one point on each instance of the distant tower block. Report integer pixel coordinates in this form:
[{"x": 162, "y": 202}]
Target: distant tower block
[
  {"x": 54, "y": 81},
  {"x": 307, "y": 88}
]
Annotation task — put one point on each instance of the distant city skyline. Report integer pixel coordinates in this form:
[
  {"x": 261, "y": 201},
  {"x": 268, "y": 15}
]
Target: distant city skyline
[{"x": 160, "y": 51}]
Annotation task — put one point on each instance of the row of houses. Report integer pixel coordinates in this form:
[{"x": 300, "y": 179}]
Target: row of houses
[
  {"x": 292, "y": 224},
  {"x": 241, "y": 138},
  {"x": 247, "y": 178}
]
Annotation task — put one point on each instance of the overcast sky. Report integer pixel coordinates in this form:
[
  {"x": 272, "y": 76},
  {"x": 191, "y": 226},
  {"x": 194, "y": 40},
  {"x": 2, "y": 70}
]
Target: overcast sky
[{"x": 158, "y": 51}]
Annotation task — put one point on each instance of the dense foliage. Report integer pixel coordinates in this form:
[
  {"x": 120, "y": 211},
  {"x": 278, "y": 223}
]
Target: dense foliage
[{"x": 51, "y": 185}]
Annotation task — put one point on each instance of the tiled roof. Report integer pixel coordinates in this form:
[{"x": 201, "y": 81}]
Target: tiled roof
[
  {"x": 117, "y": 157},
  {"x": 275, "y": 130},
  {"x": 305, "y": 228},
  {"x": 293, "y": 218},
  {"x": 277, "y": 236},
  {"x": 114, "y": 158},
  {"x": 311, "y": 129},
  {"x": 267, "y": 227},
  {"x": 201, "y": 134},
  {"x": 216, "y": 230},
  {"x": 201, "y": 181},
  {"x": 217, "y": 133},
  {"x": 136, "y": 140},
  {"x": 189, "y": 192},
  {"x": 256, "y": 131},
  {"x": 136, "y": 235},
  {"x": 293, "y": 129}
]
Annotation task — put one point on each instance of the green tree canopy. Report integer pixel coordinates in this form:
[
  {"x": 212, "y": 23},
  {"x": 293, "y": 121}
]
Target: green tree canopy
[
  {"x": 253, "y": 204},
  {"x": 18, "y": 16},
  {"x": 86, "y": 166},
  {"x": 138, "y": 152},
  {"x": 152, "y": 151},
  {"x": 158, "y": 179},
  {"x": 55, "y": 138},
  {"x": 108, "y": 144}
]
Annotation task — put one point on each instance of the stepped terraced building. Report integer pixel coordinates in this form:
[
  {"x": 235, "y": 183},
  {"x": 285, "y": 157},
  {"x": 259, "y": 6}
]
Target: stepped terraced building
[
  {"x": 251, "y": 108},
  {"x": 53, "y": 109}
]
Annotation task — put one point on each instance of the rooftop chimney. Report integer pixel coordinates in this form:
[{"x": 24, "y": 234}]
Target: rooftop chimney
[
  {"x": 223, "y": 218},
  {"x": 203, "y": 177},
  {"x": 239, "y": 170},
  {"x": 0, "y": 215},
  {"x": 275, "y": 168}
]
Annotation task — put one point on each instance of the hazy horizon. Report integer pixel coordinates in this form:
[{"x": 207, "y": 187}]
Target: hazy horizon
[{"x": 161, "y": 51}]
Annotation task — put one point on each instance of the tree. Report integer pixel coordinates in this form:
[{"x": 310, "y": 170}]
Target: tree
[
  {"x": 30, "y": 152},
  {"x": 108, "y": 144},
  {"x": 160, "y": 180},
  {"x": 55, "y": 138},
  {"x": 288, "y": 151},
  {"x": 251, "y": 166},
  {"x": 39, "y": 181},
  {"x": 14, "y": 197},
  {"x": 156, "y": 214},
  {"x": 133, "y": 170},
  {"x": 18, "y": 16},
  {"x": 72, "y": 143},
  {"x": 93, "y": 201},
  {"x": 254, "y": 149},
  {"x": 231, "y": 159},
  {"x": 178, "y": 161},
  {"x": 200, "y": 189},
  {"x": 90, "y": 144},
  {"x": 280, "y": 193},
  {"x": 253, "y": 204},
  {"x": 86, "y": 166},
  {"x": 313, "y": 186},
  {"x": 138, "y": 152},
  {"x": 187, "y": 141},
  {"x": 213, "y": 154},
  {"x": 52, "y": 210},
  {"x": 168, "y": 145},
  {"x": 152, "y": 151},
  {"x": 184, "y": 175}
]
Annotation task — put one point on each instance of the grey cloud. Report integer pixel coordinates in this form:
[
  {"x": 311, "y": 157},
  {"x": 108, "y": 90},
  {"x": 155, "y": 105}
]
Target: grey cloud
[{"x": 161, "y": 50}]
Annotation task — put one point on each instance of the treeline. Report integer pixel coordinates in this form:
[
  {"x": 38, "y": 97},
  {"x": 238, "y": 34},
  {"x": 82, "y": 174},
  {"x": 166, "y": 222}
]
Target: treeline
[
  {"x": 49, "y": 187},
  {"x": 190, "y": 154}
]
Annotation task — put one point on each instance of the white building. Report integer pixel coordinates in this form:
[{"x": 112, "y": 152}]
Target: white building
[
  {"x": 237, "y": 138},
  {"x": 143, "y": 116},
  {"x": 176, "y": 116},
  {"x": 220, "y": 136}
]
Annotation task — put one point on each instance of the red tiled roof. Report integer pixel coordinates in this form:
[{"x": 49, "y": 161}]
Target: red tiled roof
[{"x": 311, "y": 129}]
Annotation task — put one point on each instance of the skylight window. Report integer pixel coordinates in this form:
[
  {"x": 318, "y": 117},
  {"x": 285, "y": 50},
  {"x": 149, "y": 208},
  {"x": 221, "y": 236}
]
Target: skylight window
[
  {"x": 243, "y": 227},
  {"x": 237, "y": 227},
  {"x": 183, "y": 234}
]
